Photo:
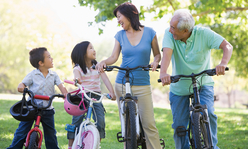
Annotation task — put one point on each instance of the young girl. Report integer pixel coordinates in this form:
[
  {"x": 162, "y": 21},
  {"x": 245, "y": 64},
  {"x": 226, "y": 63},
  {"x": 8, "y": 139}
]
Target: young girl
[{"x": 83, "y": 58}]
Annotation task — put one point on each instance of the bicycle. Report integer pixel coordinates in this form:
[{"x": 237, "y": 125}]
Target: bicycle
[
  {"x": 88, "y": 135},
  {"x": 131, "y": 128},
  {"x": 27, "y": 111},
  {"x": 199, "y": 131}
]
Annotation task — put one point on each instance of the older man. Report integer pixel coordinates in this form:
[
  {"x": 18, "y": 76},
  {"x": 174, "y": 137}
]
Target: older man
[{"x": 189, "y": 49}]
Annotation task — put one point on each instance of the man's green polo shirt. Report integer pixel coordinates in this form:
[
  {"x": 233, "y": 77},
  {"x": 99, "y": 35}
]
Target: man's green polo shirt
[{"x": 192, "y": 57}]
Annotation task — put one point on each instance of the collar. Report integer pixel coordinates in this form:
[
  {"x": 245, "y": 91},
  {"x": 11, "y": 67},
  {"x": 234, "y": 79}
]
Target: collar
[
  {"x": 192, "y": 36},
  {"x": 38, "y": 72}
]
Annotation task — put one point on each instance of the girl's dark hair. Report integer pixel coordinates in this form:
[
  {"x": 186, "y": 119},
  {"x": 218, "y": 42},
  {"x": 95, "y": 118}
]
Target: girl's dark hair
[
  {"x": 78, "y": 55},
  {"x": 131, "y": 13},
  {"x": 36, "y": 55}
]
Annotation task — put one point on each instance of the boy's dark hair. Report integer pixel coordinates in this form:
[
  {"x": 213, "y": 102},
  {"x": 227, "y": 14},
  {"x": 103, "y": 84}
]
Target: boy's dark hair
[
  {"x": 78, "y": 55},
  {"x": 36, "y": 55},
  {"x": 131, "y": 13}
]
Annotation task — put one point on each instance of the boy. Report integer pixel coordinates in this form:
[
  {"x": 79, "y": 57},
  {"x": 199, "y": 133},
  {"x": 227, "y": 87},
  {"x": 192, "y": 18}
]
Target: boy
[{"x": 40, "y": 81}]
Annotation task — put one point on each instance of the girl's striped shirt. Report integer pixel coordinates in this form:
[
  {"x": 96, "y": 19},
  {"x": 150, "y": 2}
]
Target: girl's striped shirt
[{"x": 90, "y": 80}]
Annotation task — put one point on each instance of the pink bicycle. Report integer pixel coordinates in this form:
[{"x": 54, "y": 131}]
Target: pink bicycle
[{"x": 88, "y": 135}]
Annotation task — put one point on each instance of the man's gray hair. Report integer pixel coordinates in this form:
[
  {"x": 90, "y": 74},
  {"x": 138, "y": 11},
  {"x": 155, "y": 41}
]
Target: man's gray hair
[{"x": 185, "y": 19}]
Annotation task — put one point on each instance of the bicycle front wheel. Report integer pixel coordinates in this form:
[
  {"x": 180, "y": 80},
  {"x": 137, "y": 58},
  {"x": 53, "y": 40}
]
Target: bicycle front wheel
[
  {"x": 131, "y": 141},
  {"x": 89, "y": 139},
  {"x": 200, "y": 132},
  {"x": 34, "y": 140}
]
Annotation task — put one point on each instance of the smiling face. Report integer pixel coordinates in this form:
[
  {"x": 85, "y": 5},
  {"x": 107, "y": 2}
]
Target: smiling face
[
  {"x": 123, "y": 21},
  {"x": 178, "y": 34},
  {"x": 48, "y": 60},
  {"x": 91, "y": 53}
]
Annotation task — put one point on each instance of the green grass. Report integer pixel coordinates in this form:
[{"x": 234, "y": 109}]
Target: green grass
[{"x": 232, "y": 126}]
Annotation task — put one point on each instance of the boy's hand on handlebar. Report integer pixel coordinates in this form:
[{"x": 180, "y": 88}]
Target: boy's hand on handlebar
[
  {"x": 220, "y": 69},
  {"x": 100, "y": 66},
  {"x": 154, "y": 66},
  {"x": 21, "y": 87},
  {"x": 165, "y": 79}
]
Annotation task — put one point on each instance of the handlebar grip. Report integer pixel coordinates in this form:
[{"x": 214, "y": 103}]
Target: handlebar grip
[
  {"x": 69, "y": 82},
  {"x": 41, "y": 97},
  {"x": 151, "y": 67},
  {"x": 108, "y": 96},
  {"x": 159, "y": 80},
  {"x": 227, "y": 69}
]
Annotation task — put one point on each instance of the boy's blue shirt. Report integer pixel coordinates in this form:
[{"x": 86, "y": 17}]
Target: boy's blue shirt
[{"x": 41, "y": 85}]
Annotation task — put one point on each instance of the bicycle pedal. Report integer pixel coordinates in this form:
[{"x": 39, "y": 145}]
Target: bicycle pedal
[
  {"x": 70, "y": 128},
  {"x": 162, "y": 143},
  {"x": 119, "y": 137},
  {"x": 181, "y": 131}
]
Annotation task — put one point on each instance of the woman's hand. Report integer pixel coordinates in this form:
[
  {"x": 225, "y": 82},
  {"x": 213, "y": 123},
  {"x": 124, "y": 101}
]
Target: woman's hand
[
  {"x": 100, "y": 66},
  {"x": 154, "y": 66}
]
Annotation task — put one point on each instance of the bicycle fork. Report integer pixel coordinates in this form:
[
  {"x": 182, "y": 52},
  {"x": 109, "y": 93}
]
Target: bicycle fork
[
  {"x": 123, "y": 104},
  {"x": 36, "y": 128},
  {"x": 204, "y": 112}
]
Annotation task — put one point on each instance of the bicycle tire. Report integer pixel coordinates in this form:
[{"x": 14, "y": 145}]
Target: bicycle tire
[
  {"x": 131, "y": 141},
  {"x": 89, "y": 139},
  {"x": 34, "y": 140},
  {"x": 200, "y": 132},
  {"x": 191, "y": 134}
]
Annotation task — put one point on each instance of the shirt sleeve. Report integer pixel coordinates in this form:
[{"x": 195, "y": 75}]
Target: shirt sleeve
[
  {"x": 57, "y": 80},
  {"x": 213, "y": 39},
  {"x": 28, "y": 79},
  {"x": 118, "y": 36},
  {"x": 168, "y": 41}
]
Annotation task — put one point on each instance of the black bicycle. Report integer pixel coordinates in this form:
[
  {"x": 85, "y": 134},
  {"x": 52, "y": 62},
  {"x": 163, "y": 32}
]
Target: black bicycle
[
  {"x": 131, "y": 128},
  {"x": 199, "y": 131}
]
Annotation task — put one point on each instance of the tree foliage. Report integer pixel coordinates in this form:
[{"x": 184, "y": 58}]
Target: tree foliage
[
  {"x": 24, "y": 26},
  {"x": 229, "y": 18}
]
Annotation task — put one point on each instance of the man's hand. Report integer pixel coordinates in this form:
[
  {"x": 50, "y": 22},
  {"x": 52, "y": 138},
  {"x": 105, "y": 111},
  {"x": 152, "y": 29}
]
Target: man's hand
[
  {"x": 220, "y": 69},
  {"x": 165, "y": 79}
]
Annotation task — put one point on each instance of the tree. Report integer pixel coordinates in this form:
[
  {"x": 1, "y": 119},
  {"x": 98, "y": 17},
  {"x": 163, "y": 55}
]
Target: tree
[
  {"x": 228, "y": 18},
  {"x": 21, "y": 32}
]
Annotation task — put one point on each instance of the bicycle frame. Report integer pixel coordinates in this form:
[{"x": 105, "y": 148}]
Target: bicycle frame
[
  {"x": 196, "y": 107},
  {"x": 87, "y": 121},
  {"x": 128, "y": 97},
  {"x": 38, "y": 118}
]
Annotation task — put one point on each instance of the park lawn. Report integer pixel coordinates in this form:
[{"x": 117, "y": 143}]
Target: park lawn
[{"x": 232, "y": 126}]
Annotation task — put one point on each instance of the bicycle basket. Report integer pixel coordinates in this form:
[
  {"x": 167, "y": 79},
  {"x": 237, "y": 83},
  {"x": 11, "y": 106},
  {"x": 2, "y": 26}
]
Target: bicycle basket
[
  {"x": 75, "y": 104},
  {"x": 23, "y": 111}
]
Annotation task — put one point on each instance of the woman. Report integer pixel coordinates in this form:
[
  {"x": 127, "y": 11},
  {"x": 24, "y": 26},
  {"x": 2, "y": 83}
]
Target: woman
[{"x": 135, "y": 42}]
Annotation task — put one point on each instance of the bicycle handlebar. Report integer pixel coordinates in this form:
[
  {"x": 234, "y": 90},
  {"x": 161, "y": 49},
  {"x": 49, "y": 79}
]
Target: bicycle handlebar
[
  {"x": 41, "y": 97},
  {"x": 110, "y": 68},
  {"x": 83, "y": 91},
  {"x": 210, "y": 72}
]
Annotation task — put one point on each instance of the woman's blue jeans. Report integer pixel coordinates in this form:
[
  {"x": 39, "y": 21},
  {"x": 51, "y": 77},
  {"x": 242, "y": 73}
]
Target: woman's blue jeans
[
  {"x": 47, "y": 121},
  {"x": 180, "y": 112}
]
